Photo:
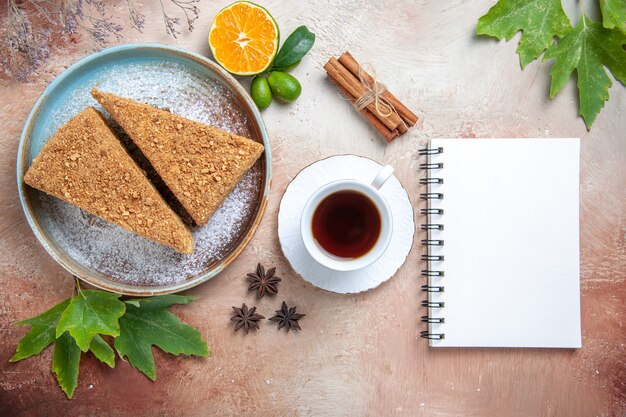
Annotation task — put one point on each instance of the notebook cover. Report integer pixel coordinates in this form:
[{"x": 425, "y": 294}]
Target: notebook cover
[{"x": 511, "y": 243}]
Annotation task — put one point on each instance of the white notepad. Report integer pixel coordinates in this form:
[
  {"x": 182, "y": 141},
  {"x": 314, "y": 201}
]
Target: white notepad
[{"x": 510, "y": 243}]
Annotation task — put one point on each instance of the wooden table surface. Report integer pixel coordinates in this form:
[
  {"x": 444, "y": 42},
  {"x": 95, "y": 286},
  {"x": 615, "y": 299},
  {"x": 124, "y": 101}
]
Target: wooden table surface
[{"x": 361, "y": 354}]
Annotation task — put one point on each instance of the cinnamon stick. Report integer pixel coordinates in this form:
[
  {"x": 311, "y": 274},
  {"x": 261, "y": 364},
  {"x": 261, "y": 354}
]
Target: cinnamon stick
[
  {"x": 389, "y": 135},
  {"x": 347, "y": 80},
  {"x": 402, "y": 127},
  {"x": 348, "y": 61},
  {"x": 353, "y": 81}
]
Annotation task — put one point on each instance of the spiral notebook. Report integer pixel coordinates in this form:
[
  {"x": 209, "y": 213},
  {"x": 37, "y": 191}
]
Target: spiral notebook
[{"x": 503, "y": 242}]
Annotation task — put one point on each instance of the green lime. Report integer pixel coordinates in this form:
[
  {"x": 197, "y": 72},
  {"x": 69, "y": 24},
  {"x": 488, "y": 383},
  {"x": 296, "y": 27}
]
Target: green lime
[
  {"x": 284, "y": 86},
  {"x": 260, "y": 92}
]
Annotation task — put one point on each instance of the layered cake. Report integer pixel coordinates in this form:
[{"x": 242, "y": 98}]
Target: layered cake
[
  {"x": 85, "y": 164},
  {"x": 200, "y": 164}
]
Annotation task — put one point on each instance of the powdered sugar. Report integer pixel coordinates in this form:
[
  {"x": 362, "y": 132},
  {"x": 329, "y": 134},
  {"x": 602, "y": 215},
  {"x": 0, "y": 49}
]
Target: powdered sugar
[
  {"x": 164, "y": 85},
  {"x": 121, "y": 255}
]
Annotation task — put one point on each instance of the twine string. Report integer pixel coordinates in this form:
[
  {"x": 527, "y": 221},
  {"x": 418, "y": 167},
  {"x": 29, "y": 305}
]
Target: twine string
[{"x": 373, "y": 94}]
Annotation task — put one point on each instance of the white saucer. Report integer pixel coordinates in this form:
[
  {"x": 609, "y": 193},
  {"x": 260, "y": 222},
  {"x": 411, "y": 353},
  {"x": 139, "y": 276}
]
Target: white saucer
[{"x": 304, "y": 185}]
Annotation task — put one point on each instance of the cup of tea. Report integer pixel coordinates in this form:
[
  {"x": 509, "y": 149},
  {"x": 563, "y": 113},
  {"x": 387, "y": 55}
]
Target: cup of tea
[{"x": 346, "y": 224}]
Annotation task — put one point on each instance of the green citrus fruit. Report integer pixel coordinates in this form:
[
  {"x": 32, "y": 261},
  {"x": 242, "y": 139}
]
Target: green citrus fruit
[
  {"x": 284, "y": 86},
  {"x": 260, "y": 92}
]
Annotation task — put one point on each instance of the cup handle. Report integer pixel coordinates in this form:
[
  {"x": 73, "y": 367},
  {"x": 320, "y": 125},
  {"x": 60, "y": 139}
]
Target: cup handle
[{"x": 382, "y": 176}]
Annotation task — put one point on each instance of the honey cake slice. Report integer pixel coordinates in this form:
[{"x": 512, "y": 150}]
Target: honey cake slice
[
  {"x": 199, "y": 163},
  {"x": 85, "y": 164}
]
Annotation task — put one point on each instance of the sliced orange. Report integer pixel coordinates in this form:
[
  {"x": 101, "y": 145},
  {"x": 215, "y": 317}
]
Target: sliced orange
[{"x": 244, "y": 38}]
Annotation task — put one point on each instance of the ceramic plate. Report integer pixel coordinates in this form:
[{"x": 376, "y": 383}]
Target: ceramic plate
[
  {"x": 106, "y": 255},
  {"x": 297, "y": 194}
]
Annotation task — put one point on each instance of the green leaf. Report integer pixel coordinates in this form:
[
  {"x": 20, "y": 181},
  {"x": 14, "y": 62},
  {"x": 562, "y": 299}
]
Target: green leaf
[
  {"x": 65, "y": 363},
  {"x": 295, "y": 47},
  {"x": 161, "y": 301},
  {"x": 101, "y": 350},
  {"x": 539, "y": 20},
  {"x": 152, "y": 324},
  {"x": 41, "y": 334},
  {"x": 288, "y": 67},
  {"x": 588, "y": 48},
  {"x": 133, "y": 302},
  {"x": 91, "y": 313},
  {"x": 613, "y": 14}
]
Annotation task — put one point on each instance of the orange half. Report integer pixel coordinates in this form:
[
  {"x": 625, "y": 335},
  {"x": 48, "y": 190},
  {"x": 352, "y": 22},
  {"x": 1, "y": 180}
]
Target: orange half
[{"x": 244, "y": 38}]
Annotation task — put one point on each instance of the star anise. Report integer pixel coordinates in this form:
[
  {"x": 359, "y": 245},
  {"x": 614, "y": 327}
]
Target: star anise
[
  {"x": 246, "y": 318},
  {"x": 263, "y": 282},
  {"x": 287, "y": 317}
]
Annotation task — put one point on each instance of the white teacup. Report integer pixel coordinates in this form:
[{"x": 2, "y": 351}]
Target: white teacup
[{"x": 371, "y": 191}]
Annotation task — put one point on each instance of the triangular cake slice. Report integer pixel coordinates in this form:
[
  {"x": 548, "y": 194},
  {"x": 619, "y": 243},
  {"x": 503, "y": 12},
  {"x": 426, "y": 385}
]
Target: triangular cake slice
[
  {"x": 200, "y": 164},
  {"x": 85, "y": 164}
]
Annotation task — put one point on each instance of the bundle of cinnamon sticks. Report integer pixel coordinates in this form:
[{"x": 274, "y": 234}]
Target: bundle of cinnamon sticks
[{"x": 389, "y": 116}]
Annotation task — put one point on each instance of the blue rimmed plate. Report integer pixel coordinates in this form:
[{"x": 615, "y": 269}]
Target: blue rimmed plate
[{"x": 106, "y": 255}]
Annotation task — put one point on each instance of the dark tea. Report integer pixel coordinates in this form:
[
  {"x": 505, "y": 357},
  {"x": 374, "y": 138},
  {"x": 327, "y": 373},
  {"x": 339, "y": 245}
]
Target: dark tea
[{"x": 346, "y": 224}]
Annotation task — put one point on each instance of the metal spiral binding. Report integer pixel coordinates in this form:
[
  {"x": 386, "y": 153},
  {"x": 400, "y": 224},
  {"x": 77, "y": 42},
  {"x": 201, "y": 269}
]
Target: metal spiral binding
[
  {"x": 432, "y": 151},
  {"x": 429, "y": 319},
  {"x": 432, "y": 336},
  {"x": 430, "y": 273},
  {"x": 431, "y": 211},
  {"x": 433, "y": 288},
  {"x": 431, "y": 226},
  {"x": 431, "y": 196},
  {"x": 431, "y": 180},
  {"x": 432, "y": 242},
  {"x": 437, "y": 165},
  {"x": 433, "y": 304}
]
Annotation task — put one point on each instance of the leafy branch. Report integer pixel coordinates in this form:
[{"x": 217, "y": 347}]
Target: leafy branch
[
  {"x": 137, "y": 19},
  {"x": 78, "y": 324},
  {"x": 589, "y": 48},
  {"x": 31, "y": 28},
  {"x": 191, "y": 14}
]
